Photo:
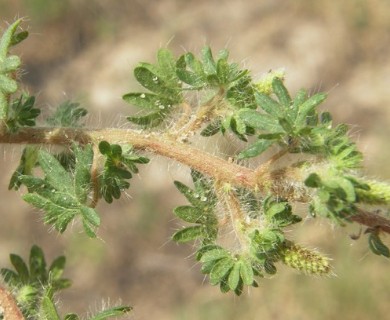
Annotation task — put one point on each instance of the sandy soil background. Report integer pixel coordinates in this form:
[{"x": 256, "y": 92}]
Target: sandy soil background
[{"x": 86, "y": 50}]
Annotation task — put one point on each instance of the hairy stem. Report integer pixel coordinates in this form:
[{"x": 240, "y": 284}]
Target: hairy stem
[
  {"x": 219, "y": 169},
  {"x": 372, "y": 220},
  {"x": 8, "y": 307}
]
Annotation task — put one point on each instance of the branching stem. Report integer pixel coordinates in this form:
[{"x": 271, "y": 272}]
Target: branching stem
[{"x": 212, "y": 166}]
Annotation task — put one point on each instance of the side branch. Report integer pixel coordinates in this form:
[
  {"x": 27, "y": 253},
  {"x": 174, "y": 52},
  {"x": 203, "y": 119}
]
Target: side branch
[{"x": 372, "y": 220}]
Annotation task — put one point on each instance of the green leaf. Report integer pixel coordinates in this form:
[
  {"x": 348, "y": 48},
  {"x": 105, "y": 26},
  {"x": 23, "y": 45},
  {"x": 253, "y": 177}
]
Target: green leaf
[
  {"x": 71, "y": 316},
  {"x": 189, "y": 234},
  {"x": 206, "y": 248},
  {"x": 6, "y": 39},
  {"x": 119, "y": 162},
  {"x": 307, "y": 107},
  {"x": 209, "y": 65},
  {"x": 255, "y": 149},
  {"x": 211, "y": 129},
  {"x": 20, "y": 267},
  {"x": 260, "y": 121},
  {"x": 82, "y": 172},
  {"x": 220, "y": 270},
  {"x": 313, "y": 181},
  {"x": 19, "y": 37},
  {"x": 67, "y": 114},
  {"x": 377, "y": 246},
  {"x": 190, "y": 71},
  {"x": 49, "y": 311},
  {"x": 112, "y": 312},
  {"x": 192, "y": 197},
  {"x": 246, "y": 272},
  {"x": 214, "y": 254},
  {"x": 91, "y": 220},
  {"x": 27, "y": 162},
  {"x": 269, "y": 105},
  {"x": 57, "y": 268},
  {"x": 37, "y": 265},
  {"x": 55, "y": 173},
  {"x": 150, "y": 78},
  {"x": 188, "y": 214},
  {"x": 234, "y": 277},
  {"x": 10, "y": 277},
  {"x": 148, "y": 101},
  {"x": 22, "y": 113},
  {"x": 150, "y": 120},
  {"x": 167, "y": 65},
  {"x": 281, "y": 92}
]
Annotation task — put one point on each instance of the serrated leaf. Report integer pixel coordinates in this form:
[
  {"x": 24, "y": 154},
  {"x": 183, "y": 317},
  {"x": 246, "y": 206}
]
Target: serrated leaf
[
  {"x": 189, "y": 234},
  {"x": 55, "y": 173},
  {"x": 91, "y": 220},
  {"x": 56, "y": 215},
  {"x": 255, "y": 149}
]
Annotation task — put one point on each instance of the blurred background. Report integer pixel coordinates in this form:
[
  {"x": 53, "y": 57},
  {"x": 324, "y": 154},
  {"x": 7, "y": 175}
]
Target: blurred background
[{"x": 86, "y": 50}]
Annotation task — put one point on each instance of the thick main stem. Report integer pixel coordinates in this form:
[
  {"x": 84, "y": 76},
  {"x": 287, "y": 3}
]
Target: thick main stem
[
  {"x": 212, "y": 166},
  {"x": 195, "y": 158}
]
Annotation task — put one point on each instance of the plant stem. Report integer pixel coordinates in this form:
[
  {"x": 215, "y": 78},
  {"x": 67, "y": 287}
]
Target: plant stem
[
  {"x": 212, "y": 166},
  {"x": 8, "y": 307},
  {"x": 195, "y": 158}
]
